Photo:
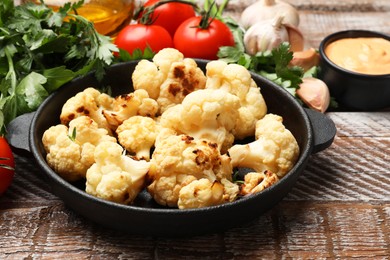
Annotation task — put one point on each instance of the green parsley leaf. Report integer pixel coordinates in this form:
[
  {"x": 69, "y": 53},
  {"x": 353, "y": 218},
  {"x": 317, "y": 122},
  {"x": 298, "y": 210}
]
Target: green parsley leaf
[
  {"x": 136, "y": 55},
  {"x": 72, "y": 137},
  {"x": 40, "y": 51},
  {"x": 31, "y": 92},
  {"x": 272, "y": 65}
]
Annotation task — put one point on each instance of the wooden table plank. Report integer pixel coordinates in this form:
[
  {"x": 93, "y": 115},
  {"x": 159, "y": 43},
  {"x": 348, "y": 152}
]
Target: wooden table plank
[
  {"x": 322, "y": 217},
  {"x": 339, "y": 207},
  {"x": 316, "y": 230}
]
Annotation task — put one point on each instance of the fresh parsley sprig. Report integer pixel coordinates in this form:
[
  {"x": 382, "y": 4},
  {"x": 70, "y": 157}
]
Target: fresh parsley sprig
[
  {"x": 41, "y": 50},
  {"x": 272, "y": 65}
]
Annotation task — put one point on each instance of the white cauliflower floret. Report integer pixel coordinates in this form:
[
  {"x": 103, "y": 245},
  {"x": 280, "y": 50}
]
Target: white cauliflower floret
[
  {"x": 148, "y": 76},
  {"x": 168, "y": 78},
  {"x": 183, "y": 78},
  {"x": 205, "y": 114},
  {"x": 257, "y": 181},
  {"x": 115, "y": 176},
  {"x": 71, "y": 155},
  {"x": 275, "y": 148},
  {"x": 237, "y": 80},
  {"x": 200, "y": 193},
  {"x": 89, "y": 102},
  {"x": 164, "y": 59},
  {"x": 177, "y": 161},
  {"x": 203, "y": 193},
  {"x": 137, "y": 135},
  {"x": 128, "y": 105}
]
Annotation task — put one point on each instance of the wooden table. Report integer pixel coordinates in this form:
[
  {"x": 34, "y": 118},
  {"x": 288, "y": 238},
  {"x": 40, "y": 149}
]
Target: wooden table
[{"x": 339, "y": 208}]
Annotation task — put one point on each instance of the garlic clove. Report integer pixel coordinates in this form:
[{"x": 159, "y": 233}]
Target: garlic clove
[
  {"x": 314, "y": 93},
  {"x": 295, "y": 38},
  {"x": 305, "y": 59}
]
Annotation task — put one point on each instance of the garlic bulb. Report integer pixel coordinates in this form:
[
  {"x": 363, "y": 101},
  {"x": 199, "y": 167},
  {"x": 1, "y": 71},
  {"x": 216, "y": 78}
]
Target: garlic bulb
[
  {"x": 269, "y": 9},
  {"x": 264, "y": 36},
  {"x": 269, "y": 34}
]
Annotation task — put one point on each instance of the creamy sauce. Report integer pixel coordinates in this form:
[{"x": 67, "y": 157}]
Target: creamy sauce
[{"x": 362, "y": 55}]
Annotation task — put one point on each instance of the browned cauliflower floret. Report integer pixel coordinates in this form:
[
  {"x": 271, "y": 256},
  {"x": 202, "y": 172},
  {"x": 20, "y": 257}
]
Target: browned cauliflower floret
[
  {"x": 200, "y": 193},
  {"x": 275, "y": 148},
  {"x": 183, "y": 78},
  {"x": 89, "y": 102},
  {"x": 137, "y": 135},
  {"x": 128, "y": 105},
  {"x": 177, "y": 161},
  {"x": 115, "y": 176},
  {"x": 71, "y": 155},
  {"x": 258, "y": 181},
  {"x": 237, "y": 80},
  {"x": 205, "y": 114},
  {"x": 168, "y": 78}
]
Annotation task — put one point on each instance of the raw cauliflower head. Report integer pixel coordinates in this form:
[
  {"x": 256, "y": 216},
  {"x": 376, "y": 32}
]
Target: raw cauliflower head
[
  {"x": 177, "y": 161},
  {"x": 137, "y": 135},
  {"x": 275, "y": 148},
  {"x": 89, "y": 102},
  {"x": 168, "y": 78},
  {"x": 128, "y": 105},
  {"x": 115, "y": 176},
  {"x": 205, "y": 114},
  {"x": 237, "y": 80},
  {"x": 71, "y": 155}
]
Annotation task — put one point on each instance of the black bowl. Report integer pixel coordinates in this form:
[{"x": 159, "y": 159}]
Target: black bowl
[
  {"x": 313, "y": 131},
  {"x": 354, "y": 91}
]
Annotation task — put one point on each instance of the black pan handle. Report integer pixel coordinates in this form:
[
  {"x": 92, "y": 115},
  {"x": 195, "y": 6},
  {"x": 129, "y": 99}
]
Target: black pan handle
[
  {"x": 18, "y": 131},
  {"x": 324, "y": 130}
]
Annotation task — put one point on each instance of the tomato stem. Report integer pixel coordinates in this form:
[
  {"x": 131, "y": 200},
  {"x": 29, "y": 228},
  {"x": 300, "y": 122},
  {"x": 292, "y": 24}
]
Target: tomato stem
[
  {"x": 146, "y": 12},
  {"x": 207, "y": 17}
]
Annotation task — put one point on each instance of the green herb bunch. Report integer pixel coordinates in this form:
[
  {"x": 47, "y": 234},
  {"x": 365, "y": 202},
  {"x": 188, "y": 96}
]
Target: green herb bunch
[
  {"x": 272, "y": 65},
  {"x": 41, "y": 50}
]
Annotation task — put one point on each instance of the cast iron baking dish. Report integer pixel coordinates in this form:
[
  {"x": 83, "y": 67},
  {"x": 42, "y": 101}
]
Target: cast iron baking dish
[{"x": 314, "y": 132}]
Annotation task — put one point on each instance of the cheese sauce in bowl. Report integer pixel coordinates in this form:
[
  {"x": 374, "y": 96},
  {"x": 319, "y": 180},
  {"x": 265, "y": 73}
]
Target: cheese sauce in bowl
[
  {"x": 355, "y": 64},
  {"x": 367, "y": 55}
]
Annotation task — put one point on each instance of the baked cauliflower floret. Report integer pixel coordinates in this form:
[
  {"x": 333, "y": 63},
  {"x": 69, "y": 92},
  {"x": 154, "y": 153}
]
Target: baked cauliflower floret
[
  {"x": 183, "y": 78},
  {"x": 237, "y": 80},
  {"x": 257, "y": 181},
  {"x": 137, "y": 135},
  {"x": 115, "y": 176},
  {"x": 71, "y": 155},
  {"x": 200, "y": 193},
  {"x": 275, "y": 148},
  {"x": 89, "y": 102},
  {"x": 177, "y": 161},
  {"x": 128, "y": 105},
  {"x": 164, "y": 59},
  {"x": 205, "y": 114},
  {"x": 168, "y": 78}
]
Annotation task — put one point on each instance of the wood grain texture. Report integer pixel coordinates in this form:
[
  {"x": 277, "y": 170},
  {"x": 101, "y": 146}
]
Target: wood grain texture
[{"x": 338, "y": 209}]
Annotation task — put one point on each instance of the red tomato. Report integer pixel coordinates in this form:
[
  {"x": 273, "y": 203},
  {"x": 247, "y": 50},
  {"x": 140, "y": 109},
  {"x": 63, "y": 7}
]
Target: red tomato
[
  {"x": 139, "y": 36},
  {"x": 6, "y": 162},
  {"x": 195, "y": 42},
  {"x": 170, "y": 15}
]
